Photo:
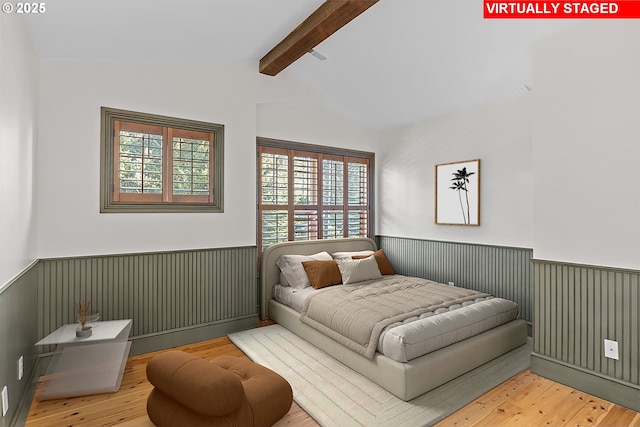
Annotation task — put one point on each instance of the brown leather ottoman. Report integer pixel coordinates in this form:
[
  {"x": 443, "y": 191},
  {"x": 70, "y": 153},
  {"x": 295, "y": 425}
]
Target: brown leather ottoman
[{"x": 226, "y": 391}]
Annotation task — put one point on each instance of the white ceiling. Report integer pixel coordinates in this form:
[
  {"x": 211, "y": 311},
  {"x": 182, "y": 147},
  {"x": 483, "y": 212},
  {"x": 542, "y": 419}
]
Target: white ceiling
[{"x": 400, "y": 62}]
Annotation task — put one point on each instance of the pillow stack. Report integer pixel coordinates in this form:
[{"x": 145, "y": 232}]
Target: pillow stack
[
  {"x": 321, "y": 270},
  {"x": 292, "y": 272}
]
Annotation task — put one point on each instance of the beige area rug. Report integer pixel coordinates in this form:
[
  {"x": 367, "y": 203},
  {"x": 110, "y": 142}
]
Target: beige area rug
[{"x": 334, "y": 395}]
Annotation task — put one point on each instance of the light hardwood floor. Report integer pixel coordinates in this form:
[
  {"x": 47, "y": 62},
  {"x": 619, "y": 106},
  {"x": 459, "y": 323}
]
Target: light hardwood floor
[{"x": 524, "y": 400}]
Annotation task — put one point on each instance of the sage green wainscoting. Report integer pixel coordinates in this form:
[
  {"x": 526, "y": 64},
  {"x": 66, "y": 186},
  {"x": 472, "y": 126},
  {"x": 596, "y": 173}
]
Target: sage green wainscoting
[
  {"x": 577, "y": 307},
  {"x": 174, "y": 298},
  {"x": 502, "y": 271},
  {"x": 18, "y": 333}
]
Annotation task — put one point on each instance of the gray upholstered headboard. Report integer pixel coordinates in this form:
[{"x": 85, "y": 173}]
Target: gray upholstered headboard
[{"x": 270, "y": 273}]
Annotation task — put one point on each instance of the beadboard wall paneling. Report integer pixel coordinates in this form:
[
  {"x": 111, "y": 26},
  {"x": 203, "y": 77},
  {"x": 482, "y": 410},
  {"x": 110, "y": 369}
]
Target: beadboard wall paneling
[
  {"x": 576, "y": 308},
  {"x": 504, "y": 272},
  {"x": 161, "y": 292},
  {"x": 18, "y": 332}
]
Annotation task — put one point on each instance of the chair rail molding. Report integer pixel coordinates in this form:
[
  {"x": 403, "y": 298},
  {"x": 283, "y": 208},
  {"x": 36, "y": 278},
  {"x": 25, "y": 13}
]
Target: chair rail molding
[{"x": 194, "y": 294}]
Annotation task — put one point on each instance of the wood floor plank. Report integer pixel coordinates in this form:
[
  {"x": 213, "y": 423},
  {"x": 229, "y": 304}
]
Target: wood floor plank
[
  {"x": 501, "y": 415},
  {"x": 614, "y": 416},
  {"x": 495, "y": 405},
  {"x": 591, "y": 410},
  {"x": 103, "y": 410},
  {"x": 536, "y": 409},
  {"x": 536, "y": 406},
  {"x": 484, "y": 405},
  {"x": 524, "y": 400}
]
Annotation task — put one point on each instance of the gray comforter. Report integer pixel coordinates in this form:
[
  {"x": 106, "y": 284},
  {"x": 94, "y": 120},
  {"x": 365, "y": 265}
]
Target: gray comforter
[{"x": 355, "y": 315}]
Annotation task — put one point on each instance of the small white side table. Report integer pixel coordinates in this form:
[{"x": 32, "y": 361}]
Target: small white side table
[{"x": 90, "y": 365}]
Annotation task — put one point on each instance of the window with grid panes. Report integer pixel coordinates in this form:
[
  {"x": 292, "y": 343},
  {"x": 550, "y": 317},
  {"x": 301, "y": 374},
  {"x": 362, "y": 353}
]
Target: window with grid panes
[
  {"x": 309, "y": 192},
  {"x": 154, "y": 163}
]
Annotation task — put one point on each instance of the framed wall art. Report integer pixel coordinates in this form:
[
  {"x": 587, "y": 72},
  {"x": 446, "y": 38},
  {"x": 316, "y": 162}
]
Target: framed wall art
[{"x": 458, "y": 193}]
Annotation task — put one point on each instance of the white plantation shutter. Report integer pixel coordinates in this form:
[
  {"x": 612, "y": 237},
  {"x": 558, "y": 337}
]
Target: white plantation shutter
[
  {"x": 274, "y": 174},
  {"x": 275, "y": 226},
  {"x": 138, "y": 167},
  {"x": 306, "y": 194},
  {"x": 191, "y": 163},
  {"x": 358, "y": 197},
  {"x": 162, "y": 164}
]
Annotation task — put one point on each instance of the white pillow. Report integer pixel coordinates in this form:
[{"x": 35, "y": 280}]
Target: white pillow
[
  {"x": 339, "y": 255},
  {"x": 358, "y": 270},
  {"x": 283, "y": 280},
  {"x": 293, "y": 271}
]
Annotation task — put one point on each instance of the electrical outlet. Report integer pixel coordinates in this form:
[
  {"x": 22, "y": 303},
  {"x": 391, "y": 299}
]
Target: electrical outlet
[
  {"x": 5, "y": 401},
  {"x": 20, "y": 368},
  {"x": 451, "y": 284},
  {"x": 611, "y": 349}
]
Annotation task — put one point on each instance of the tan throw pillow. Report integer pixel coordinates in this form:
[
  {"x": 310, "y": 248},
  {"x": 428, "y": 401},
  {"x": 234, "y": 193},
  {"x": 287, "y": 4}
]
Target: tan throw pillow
[
  {"x": 383, "y": 262},
  {"x": 358, "y": 270},
  {"x": 322, "y": 273}
]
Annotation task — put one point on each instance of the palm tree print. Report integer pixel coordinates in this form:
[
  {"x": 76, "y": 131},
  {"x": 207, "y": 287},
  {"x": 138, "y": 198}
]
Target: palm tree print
[{"x": 460, "y": 180}]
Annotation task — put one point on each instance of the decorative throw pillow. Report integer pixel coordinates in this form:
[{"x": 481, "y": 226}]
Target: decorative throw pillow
[
  {"x": 292, "y": 270},
  {"x": 358, "y": 270},
  {"x": 383, "y": 262},
  {"x": 322, "y": 273}
]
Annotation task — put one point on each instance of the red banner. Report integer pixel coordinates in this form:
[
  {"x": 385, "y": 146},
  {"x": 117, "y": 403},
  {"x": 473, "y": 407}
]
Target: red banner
[{"x": 561, "y": 9}]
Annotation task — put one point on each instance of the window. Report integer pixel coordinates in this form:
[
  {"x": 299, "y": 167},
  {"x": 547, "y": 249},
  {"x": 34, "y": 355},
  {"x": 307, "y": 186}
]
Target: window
[
  {"x": 152, "y": 163},
  {"x": 309, "y": 192}
]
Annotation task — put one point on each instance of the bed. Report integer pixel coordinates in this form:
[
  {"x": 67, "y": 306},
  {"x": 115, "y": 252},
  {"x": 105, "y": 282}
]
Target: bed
[{"x": 405, "y": 379}]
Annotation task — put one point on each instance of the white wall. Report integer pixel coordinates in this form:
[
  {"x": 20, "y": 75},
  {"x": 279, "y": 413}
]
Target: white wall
[
  {"x": 313, "y": 124},
  {"x": 72, "y": 92},
  {"x": 500, "y": 136},
  {"x": 18, "y": 113},
  {"x": 585, "y": 107},
  {"x": 586, "y": 145}
]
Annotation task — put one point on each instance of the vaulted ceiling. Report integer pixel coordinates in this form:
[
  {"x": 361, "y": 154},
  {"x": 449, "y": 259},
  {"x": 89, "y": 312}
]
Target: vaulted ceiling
[{"x": 399, "y": 62}]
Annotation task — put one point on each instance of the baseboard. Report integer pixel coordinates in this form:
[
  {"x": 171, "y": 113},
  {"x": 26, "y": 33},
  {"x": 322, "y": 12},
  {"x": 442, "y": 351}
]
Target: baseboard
[
  {"x": 618, "y": 392},
  {"x": 177, "y": 337}
]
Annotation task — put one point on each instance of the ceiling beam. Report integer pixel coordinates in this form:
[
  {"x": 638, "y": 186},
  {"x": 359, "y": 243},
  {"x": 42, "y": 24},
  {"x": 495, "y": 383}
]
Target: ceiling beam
[{"x": 324, "y": 21}]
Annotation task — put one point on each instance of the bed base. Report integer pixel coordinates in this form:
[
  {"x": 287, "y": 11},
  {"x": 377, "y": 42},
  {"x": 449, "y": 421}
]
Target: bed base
[{"x": 416, "y": 377}]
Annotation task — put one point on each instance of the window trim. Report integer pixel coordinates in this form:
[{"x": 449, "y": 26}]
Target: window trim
[
  {"x": 180, "y": 203},
  {"x": 287, "y": 146}
]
